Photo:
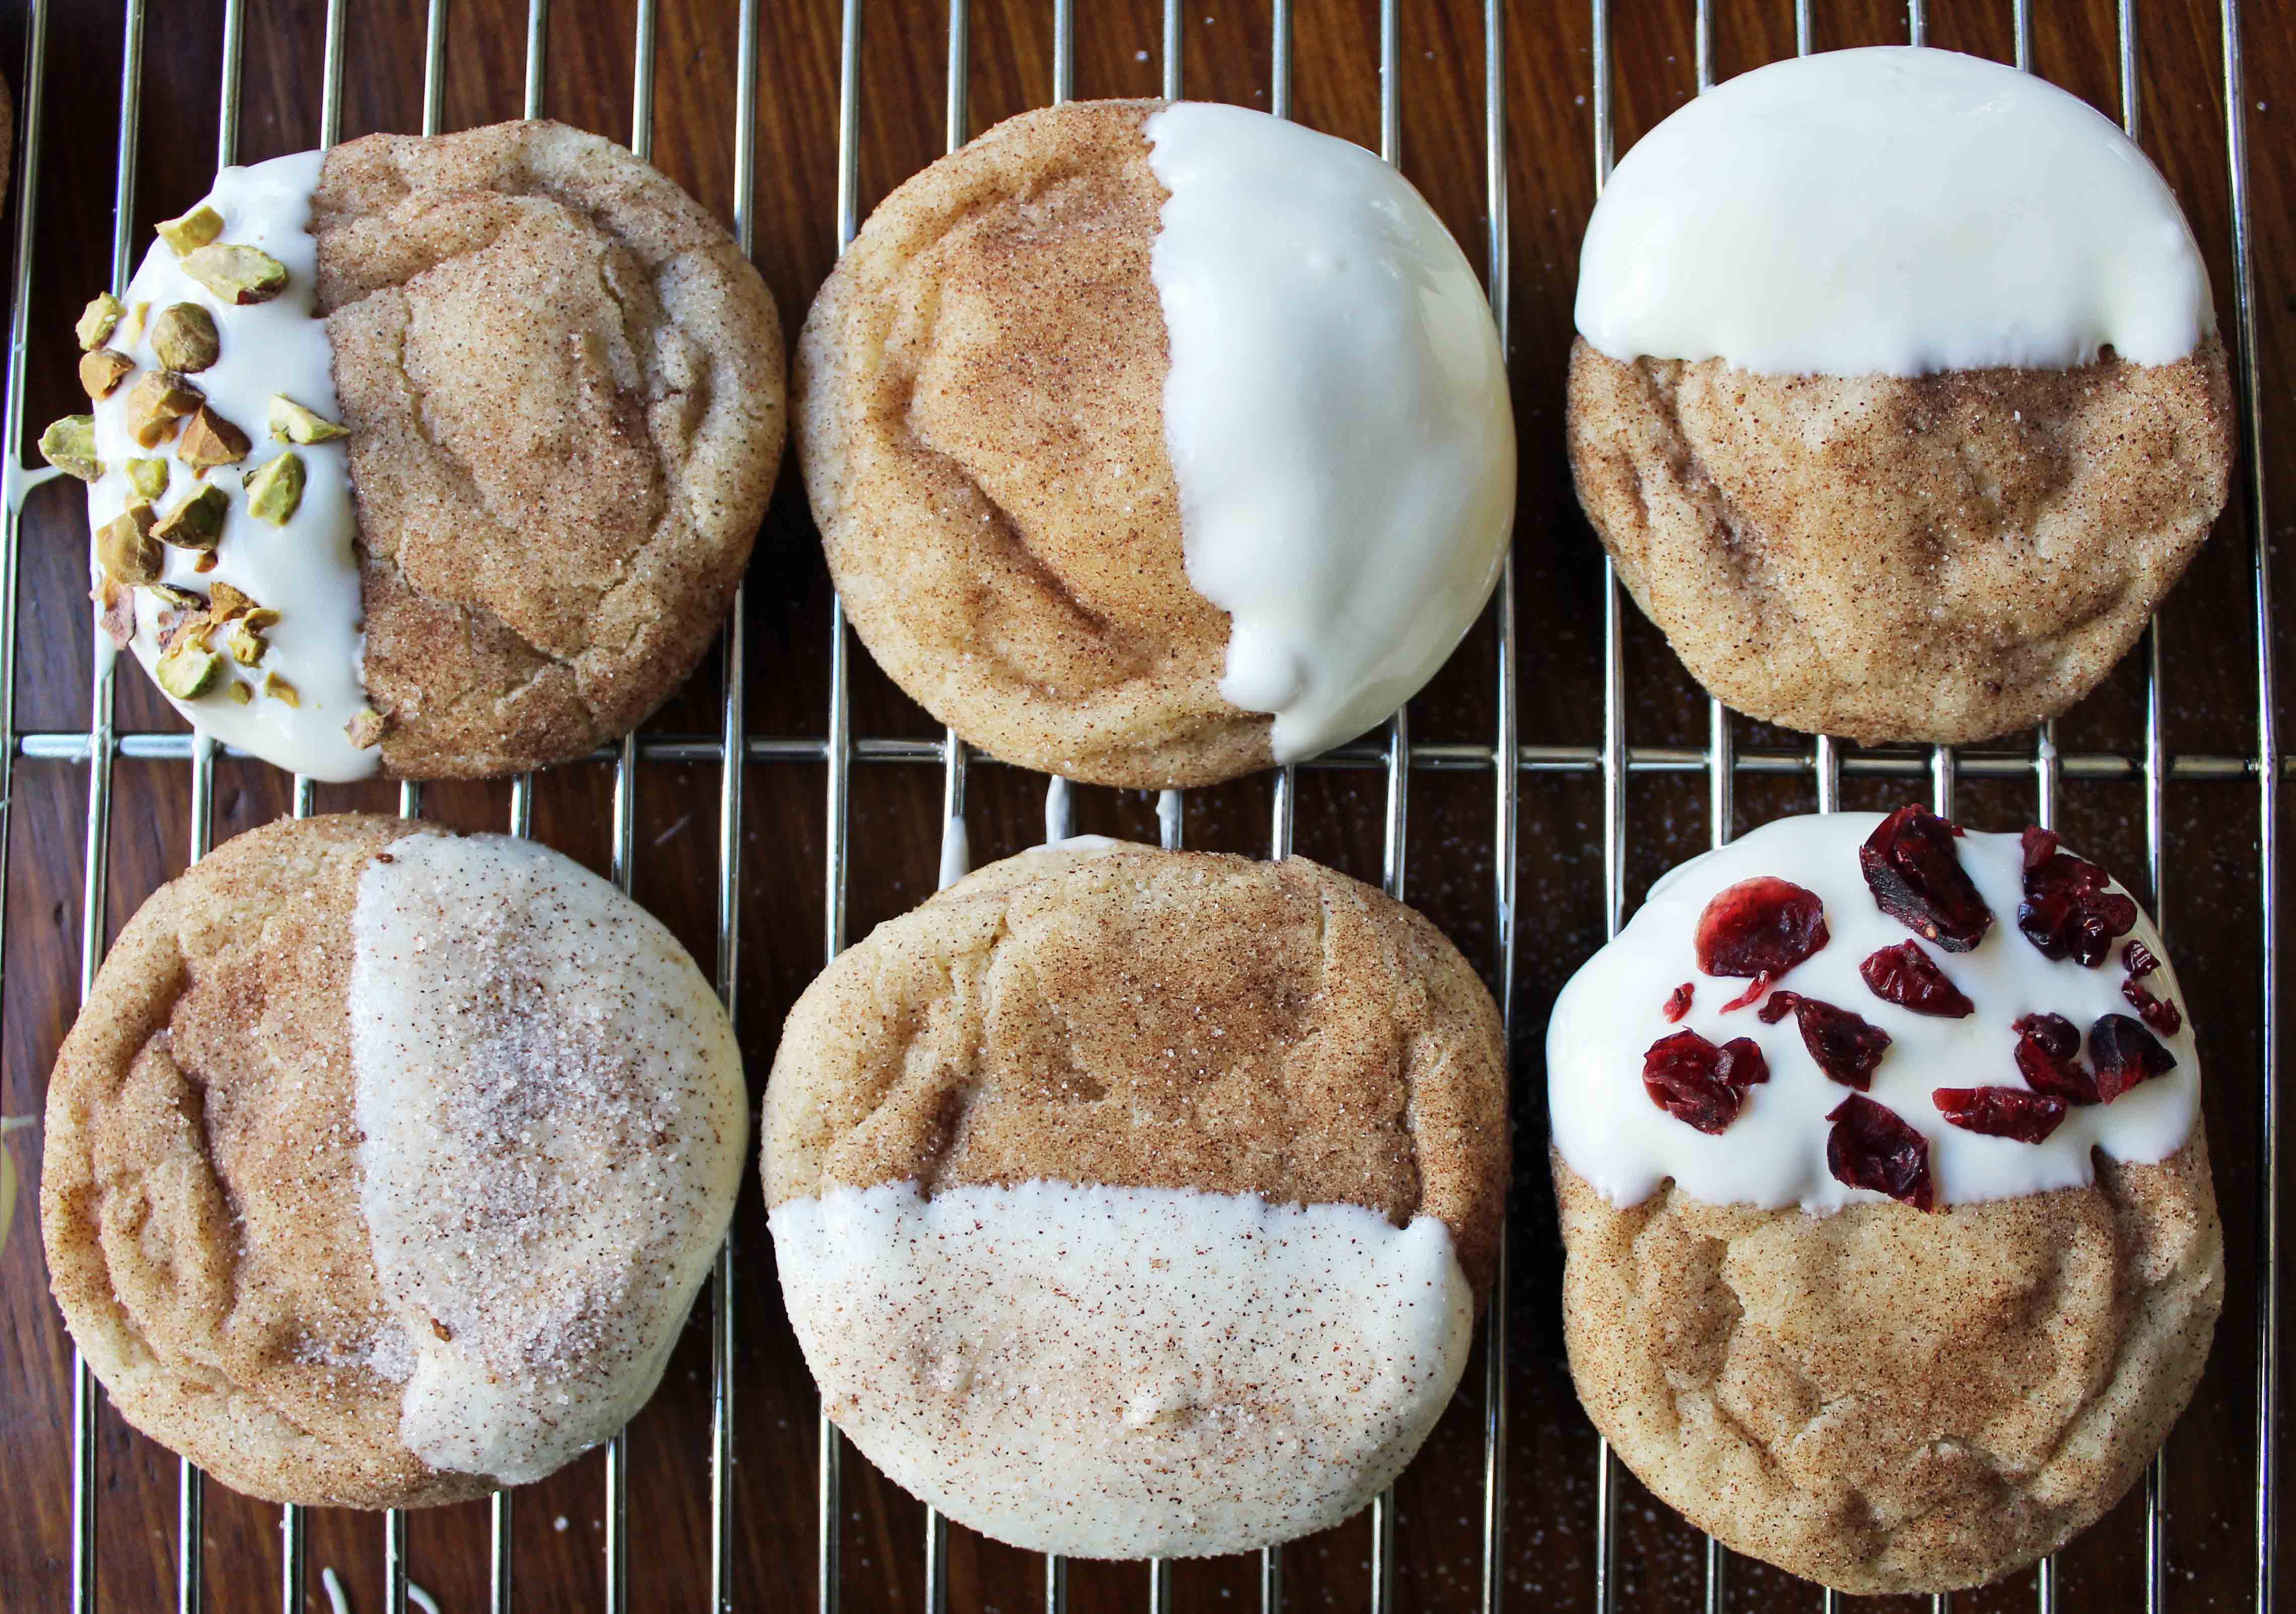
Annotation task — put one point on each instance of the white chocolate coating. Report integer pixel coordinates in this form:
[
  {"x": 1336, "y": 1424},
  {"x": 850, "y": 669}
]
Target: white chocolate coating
[
  {"x": 308, "y": 570},
  {"x": 1891, "y": 210},
  {"x": 1122, "y": 1373},
  {"x": 553, "y": 1115},
  {"x": 1336, "y": 414},
  {"x": 1774, "y": 1154}
]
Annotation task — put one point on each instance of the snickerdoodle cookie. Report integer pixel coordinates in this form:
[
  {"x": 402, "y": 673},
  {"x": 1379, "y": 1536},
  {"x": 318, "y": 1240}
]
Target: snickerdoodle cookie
[
  {"x": 1892, "y": 1254},
  {"x": 383, "y": 1164},
  {"x": 1149, "y": 443},
  {"x": 440, "y": 457},
  {"x": 1898, "y": 399},
  {"x": 1136, "y": 1203}
]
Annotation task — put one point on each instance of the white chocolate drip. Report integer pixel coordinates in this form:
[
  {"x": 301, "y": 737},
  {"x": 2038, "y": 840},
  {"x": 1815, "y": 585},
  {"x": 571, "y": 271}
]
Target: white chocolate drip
[
  {"x": 1168, "y": 818},
  {"x": 1120, "y": 1373},
  {"x": 306, "y": 570},
  {"x": 1894, "y": 211},
  {"x": 1336, "y": 414},
  {"x": 955, "y": 852},
  {"x": 1774, "y": 1154},
  {"x": 553, "y": 1115}
]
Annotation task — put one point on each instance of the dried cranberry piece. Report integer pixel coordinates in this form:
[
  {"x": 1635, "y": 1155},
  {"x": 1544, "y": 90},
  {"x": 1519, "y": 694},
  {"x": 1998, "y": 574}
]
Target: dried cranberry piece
[
  {"x": 1753, "y": 992},
  {"x": 1907, "y": 977},
  {"x": 2069, "y": 912},
  {"x": 1699, "y": 1084},
  {"x": 2157, "y": 1013},
  {"x": 2053, "y": 1032},
  {"x": 2039, "y": 845},
  {"x": 1872, "y": 1147},
  {"x": 2137, "y": 959},
  {"x": 1846, "y": 1047},
  {"x": 1763, "y": 926},
  {"x": 1916, "y": 878},
  {"x": 2001, "y": 1112},
  {"x": 1742, "y": 1064},
  {"x": 1677, "y": 1002},
  {"x": 2124, "y": 1053},
  {"x": 2047, "y": 1047}
]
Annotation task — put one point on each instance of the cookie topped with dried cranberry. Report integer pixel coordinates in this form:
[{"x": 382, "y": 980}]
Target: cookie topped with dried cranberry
[{"x": 1847, "y": 1102}]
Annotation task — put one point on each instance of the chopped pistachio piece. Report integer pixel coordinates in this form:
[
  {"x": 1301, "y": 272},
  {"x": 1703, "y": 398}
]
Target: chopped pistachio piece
[
  {"x": 96, "y": 321},
  {"x": 69, "y": 445},
  {"x": 156, "y": 402},
  {"x": 126, "y": 549},
  {"x": 281, "y": 691},
  {"x": 209, "y": 440},
  {"x": 197, "y": 522},
  {"x": 225, "y": 602},
  {"x": 183, "y": 628},
  {"x": 118, "y": 615},
  {"x": 276, "y": 490},
  {"x": 132, "y": 326},
  {"x": 189, "y": 670},
  {"x": 237, "y": 275},
  {"x": 290, "y": 423},
  {"x": 366, "y": 728},
  {"x": 192, "y": 231},
  {"x": 238, "y": 693},
  {"x": 246, "y": 645},
  {"x": 102, "y": 372},
  {"x": 178, "y": 599},
  {"x": 183, "y": 336},
  {"x": 148, "y": 478}
]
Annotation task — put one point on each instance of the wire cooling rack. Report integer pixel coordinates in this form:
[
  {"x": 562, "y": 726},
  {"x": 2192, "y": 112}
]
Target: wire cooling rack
[{"x": 1504, "y": 758}]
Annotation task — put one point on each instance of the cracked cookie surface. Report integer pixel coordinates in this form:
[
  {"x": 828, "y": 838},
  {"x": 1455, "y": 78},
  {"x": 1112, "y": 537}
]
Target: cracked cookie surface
[
  {"x": 1884, "y": 1400},
  {"x": 980, "y": 416},
  {"x": 566, "y": 397},
  {"x": 383, "y": 1164},
  {"x": 1142, "y": 1019},
  {"x": 1940, "y": 557},
  {"x": 199, "y": 1189}
]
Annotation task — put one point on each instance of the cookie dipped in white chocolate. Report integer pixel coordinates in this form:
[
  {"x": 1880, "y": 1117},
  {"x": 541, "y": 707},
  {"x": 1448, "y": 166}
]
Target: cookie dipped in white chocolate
[
  {"x": 1336, "y": 414},
  {"x": 1613, "y": 1134},
  {"x": 554, "y": 1116},
  {"x": 1892, "y": 211},
  {"x": 294, "y": 707},
  {"x": 1125, "y": 1373}
]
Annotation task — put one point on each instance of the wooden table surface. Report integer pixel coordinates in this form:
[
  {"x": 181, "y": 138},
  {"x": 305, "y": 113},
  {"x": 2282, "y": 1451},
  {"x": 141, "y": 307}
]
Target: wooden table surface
[{"x": 2207, "y": 695}]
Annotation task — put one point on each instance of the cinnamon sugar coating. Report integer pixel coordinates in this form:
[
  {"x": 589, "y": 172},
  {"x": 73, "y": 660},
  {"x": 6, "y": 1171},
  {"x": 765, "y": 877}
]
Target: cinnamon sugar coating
[
  {"x": 1940, "y": 557},
  {"x": 198, "y": 1191},
  {"x": 1145, "y": 1019},
  {"x": 302, "y": 1238},
  {"x": 980, "y": 416},
  {"x": 1889, "y": 1401},
  {"x": 564, "y": 386}
]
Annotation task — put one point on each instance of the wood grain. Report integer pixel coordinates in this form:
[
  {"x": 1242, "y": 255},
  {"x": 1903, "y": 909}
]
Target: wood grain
[{"x": 2208, "y": 697}]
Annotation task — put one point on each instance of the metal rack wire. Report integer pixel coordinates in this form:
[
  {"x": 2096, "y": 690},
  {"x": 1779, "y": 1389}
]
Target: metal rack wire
[
  {"x": 1506, "y": 757},
  {"x": 102, "y": 745}
]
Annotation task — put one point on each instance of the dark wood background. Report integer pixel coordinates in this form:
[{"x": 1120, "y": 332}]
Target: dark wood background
[{"x": 2212, "y": 907}]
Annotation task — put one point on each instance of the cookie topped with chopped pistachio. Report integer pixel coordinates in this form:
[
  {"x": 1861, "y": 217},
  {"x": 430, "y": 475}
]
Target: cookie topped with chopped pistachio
[{"x": 435, "y": 457}]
